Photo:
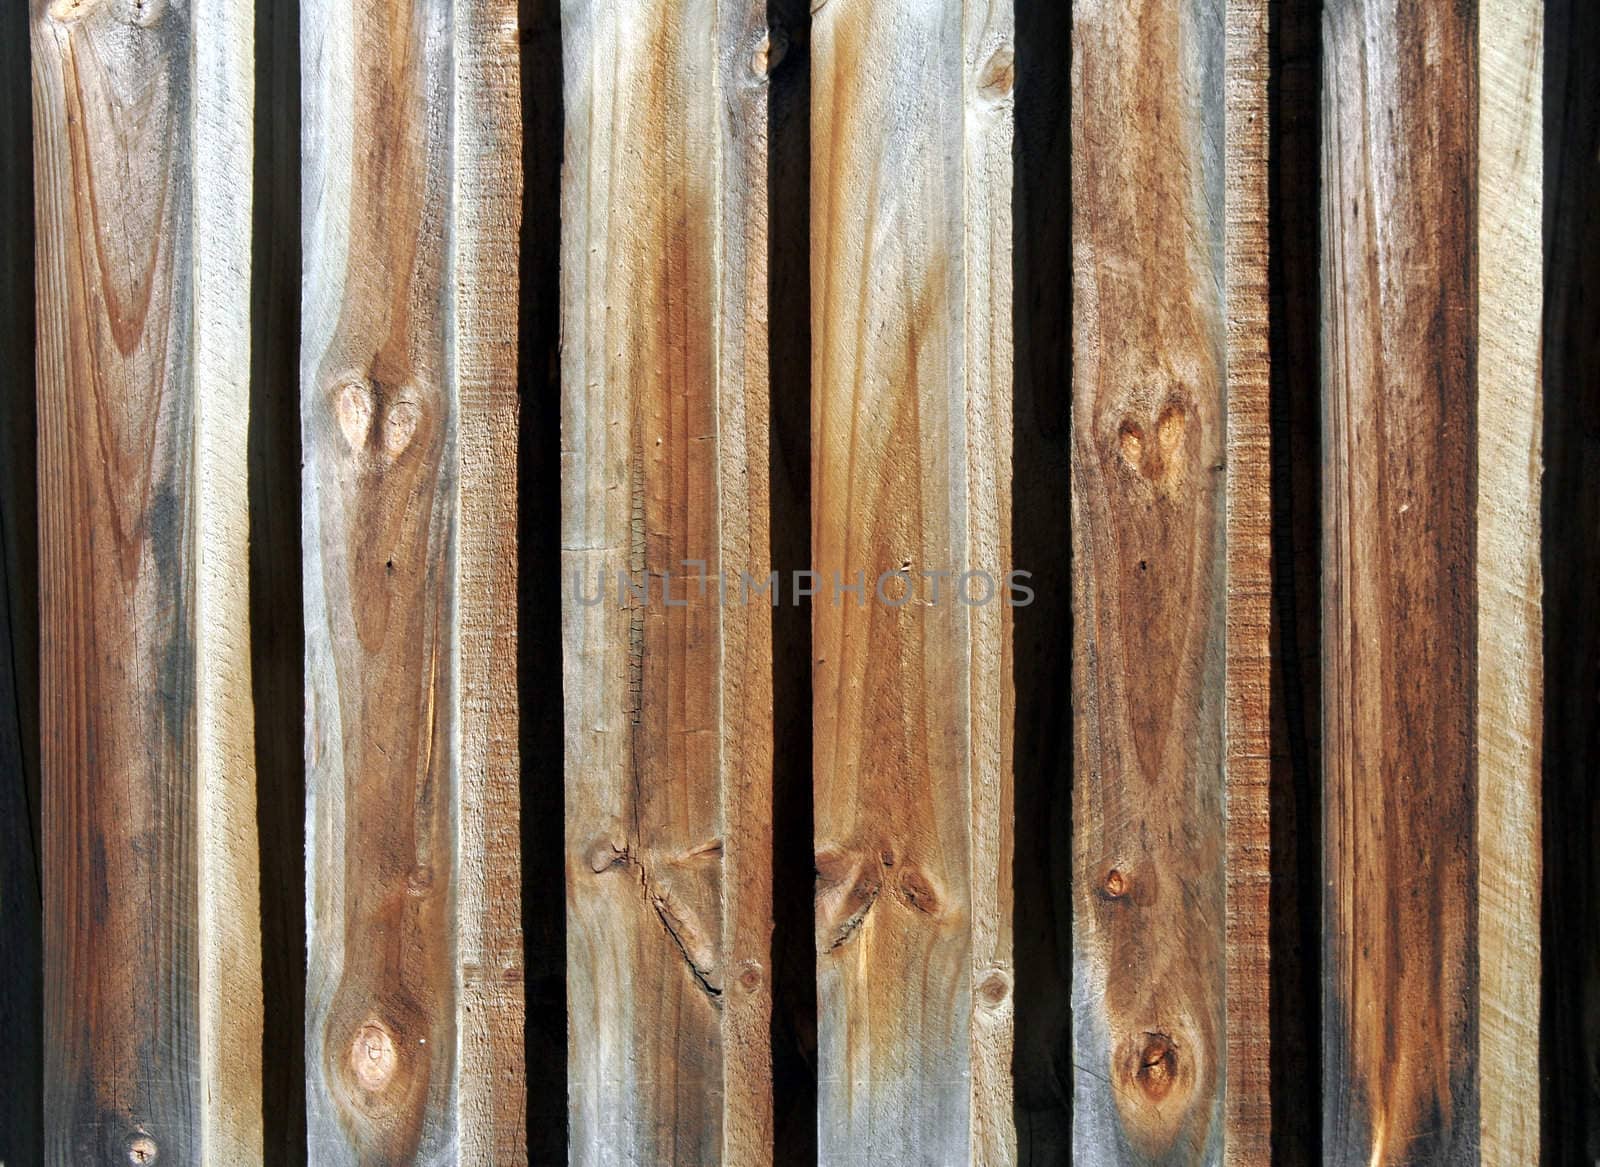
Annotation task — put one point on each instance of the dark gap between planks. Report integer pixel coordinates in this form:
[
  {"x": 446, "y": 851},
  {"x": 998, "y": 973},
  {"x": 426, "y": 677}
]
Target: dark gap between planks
[
  {"x": 1570, "y": 551},
  {"x": 1041, "y": 543},
  {"x": 277, "y": 616},
  {"x": 794, "y": 989},
  {"x": 544, "y": 919},
  {"x": 1295, "y": 793},
  {"x": 21, "y": 920}
]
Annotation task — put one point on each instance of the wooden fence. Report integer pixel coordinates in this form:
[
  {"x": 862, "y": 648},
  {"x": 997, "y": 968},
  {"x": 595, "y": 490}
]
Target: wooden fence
[{"x": 745, "y": 581}]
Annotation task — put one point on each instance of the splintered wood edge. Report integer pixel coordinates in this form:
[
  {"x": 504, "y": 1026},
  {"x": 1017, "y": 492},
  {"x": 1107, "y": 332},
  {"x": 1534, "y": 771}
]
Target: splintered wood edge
[
  {"x": 491, "y": 1100},
  {"x": 1510, "y": 583},
  {"x": 229, "y": 997}
]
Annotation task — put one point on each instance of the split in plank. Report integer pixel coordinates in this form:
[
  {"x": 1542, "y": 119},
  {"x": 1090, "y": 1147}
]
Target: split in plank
[{"x": 667, "y": 689}]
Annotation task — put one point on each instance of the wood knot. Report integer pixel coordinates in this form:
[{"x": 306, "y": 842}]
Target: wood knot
[
  {"x": 999, "y": 73},
  {"x": 373, "y": 1057},
  {"x": 353, "y": 407},
  {"x": 142, "y": 1150},
  {"x": 995, "y": 989},
  {"x": 750, "y": 976},
  {"x": 400, "y": 422},
  {"x": 1153, "y": 453},
  {"x": 919, "y": 892},
  {"x": 1158, "y": 1066},
  {"x": 604, "y": 855},
  {"x": 1114, "y": 886}
]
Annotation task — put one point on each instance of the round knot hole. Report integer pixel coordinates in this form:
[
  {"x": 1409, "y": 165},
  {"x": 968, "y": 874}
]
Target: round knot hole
[{"x": 373, "y": 1057}]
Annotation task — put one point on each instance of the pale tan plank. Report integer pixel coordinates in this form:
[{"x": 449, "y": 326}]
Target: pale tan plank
[
  {"x": 1248, "y": 1114},
  {"x": 911, "y": 437},
  {"x": 1510, "y": 584},
  {"x": 664, "y": 478}
]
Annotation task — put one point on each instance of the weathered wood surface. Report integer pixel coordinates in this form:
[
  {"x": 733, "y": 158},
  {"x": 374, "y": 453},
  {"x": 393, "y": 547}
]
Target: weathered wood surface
[
  {"x": 1148, "y": 498},
  {"x": 911, "y": 440},
  {"x": 152, "y": 1005},
  {"x": 1509, "y": 702},
  {"x": 411, "y": 191},
  {"x": 1248, "y": 1047},
  {"x": 1570, "y": 530},
  {"x": 1400, "y": 592},
  {"x": 664, "y": 478}
]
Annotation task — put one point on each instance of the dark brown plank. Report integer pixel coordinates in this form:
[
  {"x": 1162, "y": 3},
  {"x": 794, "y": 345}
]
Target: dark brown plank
[
  {"x": 1148, "y": 443},
  {"x": 152, "y": 1023},
  {"x": 1400, "y": 367}
]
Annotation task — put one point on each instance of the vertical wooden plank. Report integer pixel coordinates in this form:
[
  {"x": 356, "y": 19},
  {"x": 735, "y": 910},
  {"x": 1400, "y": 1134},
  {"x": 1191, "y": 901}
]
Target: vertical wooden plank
[
  {"x": 1400, "y": 625},
  {"x": 1510, "y": 585},
  {"x": 142, "y": 116},
  {"x": 411, "y": 186},
  {"x": 1248, "y": 1048},
  {"x": 911, "y": 436},
  {"x": 1148, "y": 499},
  {"x": 664, "y": 489},
  {"x": 1570, "y": 529}
]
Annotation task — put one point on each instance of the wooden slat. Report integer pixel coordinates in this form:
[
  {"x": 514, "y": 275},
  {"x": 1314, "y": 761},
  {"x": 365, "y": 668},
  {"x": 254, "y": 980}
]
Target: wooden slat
[
  {"x": 1510, "y": 687},
  {"x": 1248, "y": 1047},
  {"x": 1149, "y": 434},
  {"x": 142, "y": 120},
  {"x": 1400, "y": 584},
  {"x": 668, "y": 699},
  {"x": 411, "y": 188},
  {"x": 911, "y": 439}
]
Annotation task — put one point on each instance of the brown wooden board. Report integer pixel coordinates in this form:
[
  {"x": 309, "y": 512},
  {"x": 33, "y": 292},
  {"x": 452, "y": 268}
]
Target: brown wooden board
[
  {"x": 1400, "y": 586},
  {"x": 411, "y": 189},
  {"x": 911, "y": 467},
  {"x": 1150, "y": 434},
  {"x": 667, "y": 688},
  {"x": 142, "y": 117}
]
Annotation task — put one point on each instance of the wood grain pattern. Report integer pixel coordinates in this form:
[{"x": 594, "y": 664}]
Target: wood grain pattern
[
  {"x": 664, "y": 479},
  {"x": 152, "y": 1013},
  {"x": 911, "y": 438},
  {"x": 1400, "y": 592},
  {"x": 411, "y": 181},
  {"x": 1148, "y": 500},
  {"x": 1509, "y": 697},
  {"x": 1248, "y": 1047}
]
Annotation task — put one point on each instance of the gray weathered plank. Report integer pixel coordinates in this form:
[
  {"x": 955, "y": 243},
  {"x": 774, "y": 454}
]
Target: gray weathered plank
[
  {"x": 664, "y": 479},
  {"x": 911, "y": 467},
  {"x": 142, "y": 118}
]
